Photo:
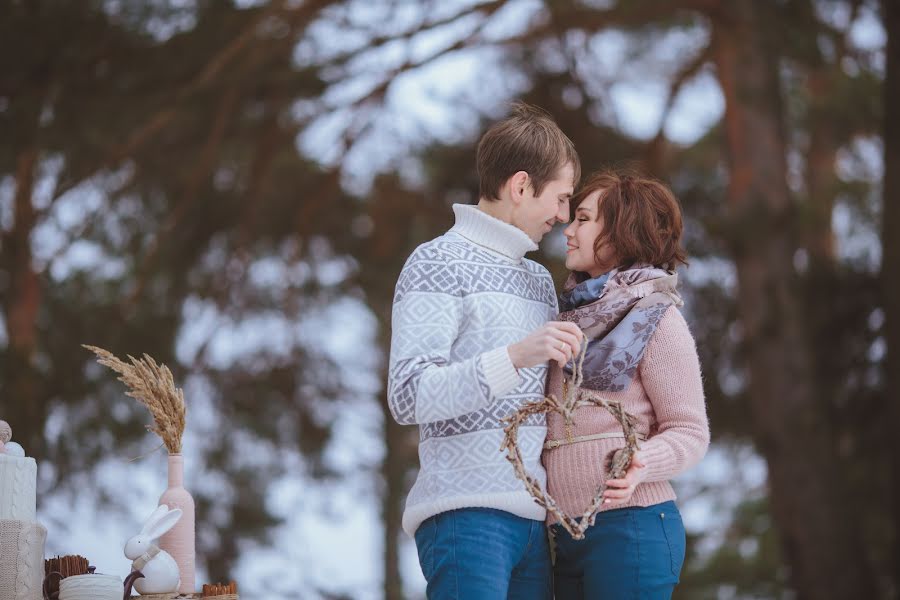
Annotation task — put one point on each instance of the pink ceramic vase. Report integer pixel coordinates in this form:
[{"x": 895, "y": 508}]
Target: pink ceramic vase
[{"x": 180, "y": 541}]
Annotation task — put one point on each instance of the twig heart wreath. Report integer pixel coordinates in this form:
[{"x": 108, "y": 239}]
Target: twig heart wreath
[{"x": 617, "y": 464}]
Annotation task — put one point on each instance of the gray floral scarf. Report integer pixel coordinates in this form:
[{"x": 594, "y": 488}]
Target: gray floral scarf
[{"x": 618, "y": 313}]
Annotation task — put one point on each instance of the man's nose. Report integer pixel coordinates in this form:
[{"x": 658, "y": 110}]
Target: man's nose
[{"x": 563, "y": 214}]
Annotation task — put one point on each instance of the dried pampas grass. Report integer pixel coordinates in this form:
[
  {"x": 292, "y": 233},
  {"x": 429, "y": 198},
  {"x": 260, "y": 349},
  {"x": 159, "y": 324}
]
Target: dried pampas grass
[{"x": 153, "y": 386}]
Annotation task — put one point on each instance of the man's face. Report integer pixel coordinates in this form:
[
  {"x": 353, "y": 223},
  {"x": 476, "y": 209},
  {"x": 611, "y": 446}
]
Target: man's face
[{"x": 536, "y": 215}]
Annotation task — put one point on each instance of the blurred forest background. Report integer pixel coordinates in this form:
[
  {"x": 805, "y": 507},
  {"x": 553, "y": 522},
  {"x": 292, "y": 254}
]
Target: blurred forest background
[{"x": 233, "y": 187}]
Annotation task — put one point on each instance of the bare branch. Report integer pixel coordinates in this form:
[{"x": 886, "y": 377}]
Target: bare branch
[
  {"x": 487, "y": 9},
  {"x": 687, "y": 72},
  {"x": 628, "y": 14},
  {"x": 217, "y": 65},
  {"x": 198, "y": 174}
]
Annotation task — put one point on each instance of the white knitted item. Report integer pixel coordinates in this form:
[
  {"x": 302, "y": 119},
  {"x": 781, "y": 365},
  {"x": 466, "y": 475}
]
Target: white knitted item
[
  {"x": 18, "y": 482},
  {"x": 91, "y": 587},
  {"x": 21, "y": 559}
]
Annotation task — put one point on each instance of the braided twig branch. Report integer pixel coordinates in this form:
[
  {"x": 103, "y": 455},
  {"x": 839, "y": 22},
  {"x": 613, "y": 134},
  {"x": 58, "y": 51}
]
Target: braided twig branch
[{"x": 617, "y": 464}]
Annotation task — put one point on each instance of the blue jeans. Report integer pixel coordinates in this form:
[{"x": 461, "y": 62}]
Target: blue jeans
[
  {"x": 629, "y": 553},
  {"x": 484, "y": 554}
]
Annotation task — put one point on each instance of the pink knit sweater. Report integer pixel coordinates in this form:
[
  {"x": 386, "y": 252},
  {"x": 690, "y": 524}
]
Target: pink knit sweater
[{"x": 666, "y": 396}]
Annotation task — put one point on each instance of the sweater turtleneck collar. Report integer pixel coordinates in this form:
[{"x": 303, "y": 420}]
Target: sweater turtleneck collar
[{"x": 481, "y": 228}]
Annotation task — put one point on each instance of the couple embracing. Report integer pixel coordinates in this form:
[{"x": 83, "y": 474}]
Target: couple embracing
[{"x": 478, "y": 331}]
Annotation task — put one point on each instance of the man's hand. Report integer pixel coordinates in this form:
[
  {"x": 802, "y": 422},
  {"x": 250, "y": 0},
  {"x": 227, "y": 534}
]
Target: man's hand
[
  {"x": 619, "y": 491},
  {"x": 557, "y": 340}
]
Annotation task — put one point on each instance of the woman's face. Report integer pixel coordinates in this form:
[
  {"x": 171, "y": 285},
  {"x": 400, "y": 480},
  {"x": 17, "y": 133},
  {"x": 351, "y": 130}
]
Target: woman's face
[{"x": 581, "y": 234}]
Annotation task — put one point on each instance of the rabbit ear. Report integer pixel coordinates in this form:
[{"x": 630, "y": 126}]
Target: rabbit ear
[
  {"x": 154, "y": 518},
  {"x": 164, "y": 523}
]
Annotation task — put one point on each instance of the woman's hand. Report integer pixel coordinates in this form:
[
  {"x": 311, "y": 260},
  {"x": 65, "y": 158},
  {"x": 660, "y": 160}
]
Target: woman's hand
[{"x": 619, "y": 491}]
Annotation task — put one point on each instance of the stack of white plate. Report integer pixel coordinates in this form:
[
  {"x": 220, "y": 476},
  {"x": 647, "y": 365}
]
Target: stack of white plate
[{"x": 91, "y": 587}]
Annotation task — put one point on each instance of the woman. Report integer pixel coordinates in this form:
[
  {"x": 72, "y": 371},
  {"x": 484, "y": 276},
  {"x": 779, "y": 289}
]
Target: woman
[{"x": 623, "y": 247}]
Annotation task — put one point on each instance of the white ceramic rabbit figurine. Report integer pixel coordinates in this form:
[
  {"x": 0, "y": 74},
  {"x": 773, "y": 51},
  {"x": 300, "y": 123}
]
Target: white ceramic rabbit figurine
[{"x": 160, "y": 571}]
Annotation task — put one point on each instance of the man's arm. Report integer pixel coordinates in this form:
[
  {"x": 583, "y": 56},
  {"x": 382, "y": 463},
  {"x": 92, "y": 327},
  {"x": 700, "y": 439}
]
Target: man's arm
[{"x": 423, "y": 385}]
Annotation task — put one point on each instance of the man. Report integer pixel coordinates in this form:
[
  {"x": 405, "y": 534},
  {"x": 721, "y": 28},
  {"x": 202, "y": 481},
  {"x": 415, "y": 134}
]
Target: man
[{"x": 470, "y": 344}]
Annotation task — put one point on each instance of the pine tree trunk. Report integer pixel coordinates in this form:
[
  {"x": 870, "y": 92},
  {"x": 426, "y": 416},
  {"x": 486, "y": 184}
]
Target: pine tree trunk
[
  {"x": 19, "y": 380},
  {"x": 890, "y": 239},
  {"x": 790, "y": 424},
  {"x": 394, "y": 471}
]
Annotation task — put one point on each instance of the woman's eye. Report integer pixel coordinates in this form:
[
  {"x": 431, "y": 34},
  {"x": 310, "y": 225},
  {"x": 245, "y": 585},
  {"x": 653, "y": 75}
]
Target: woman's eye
[{"x": 582, "y": 218}]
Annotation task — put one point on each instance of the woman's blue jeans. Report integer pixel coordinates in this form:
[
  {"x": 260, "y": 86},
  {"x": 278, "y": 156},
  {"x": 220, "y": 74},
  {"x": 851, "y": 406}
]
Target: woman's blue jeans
[
  {"x": 484, "y": 554},
  {"x": 629, "y": 553}
]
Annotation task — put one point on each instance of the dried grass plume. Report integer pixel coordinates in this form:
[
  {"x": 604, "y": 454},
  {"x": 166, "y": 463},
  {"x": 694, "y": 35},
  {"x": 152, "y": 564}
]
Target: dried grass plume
[{"x": 153, "y": 386}]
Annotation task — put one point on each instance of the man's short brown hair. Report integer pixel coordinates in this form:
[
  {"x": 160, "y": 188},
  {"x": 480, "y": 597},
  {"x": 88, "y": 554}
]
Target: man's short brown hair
[
  {"x": 642, "y": 221},
  {"x": 528, "y": 140}
]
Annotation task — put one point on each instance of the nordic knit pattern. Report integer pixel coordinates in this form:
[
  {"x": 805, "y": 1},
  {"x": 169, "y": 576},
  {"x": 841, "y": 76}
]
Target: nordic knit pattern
[
  {"x": 667, "y": 398},
  {"x": 461, "y": 299}
]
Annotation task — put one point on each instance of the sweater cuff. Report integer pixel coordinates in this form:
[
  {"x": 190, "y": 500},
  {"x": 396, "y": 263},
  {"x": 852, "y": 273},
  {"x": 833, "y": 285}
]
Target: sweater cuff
[
  {"x": 660, "y": 460},
  {"x": 499, "y": 371}
]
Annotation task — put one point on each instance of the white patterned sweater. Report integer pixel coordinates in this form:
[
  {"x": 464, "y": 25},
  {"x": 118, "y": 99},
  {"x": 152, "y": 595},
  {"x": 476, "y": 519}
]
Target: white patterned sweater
[{"x": 461, "y": 299}]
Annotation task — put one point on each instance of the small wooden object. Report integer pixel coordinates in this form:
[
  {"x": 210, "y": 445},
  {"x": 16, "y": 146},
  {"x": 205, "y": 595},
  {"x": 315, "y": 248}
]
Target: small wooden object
[
  {"x": 66, "y": 566},
  {"x": 222, "y": 591}
]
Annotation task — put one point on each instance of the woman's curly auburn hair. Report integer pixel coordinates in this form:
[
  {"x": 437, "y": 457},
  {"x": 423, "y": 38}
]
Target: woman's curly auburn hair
[{"x": 641, "y": 220}]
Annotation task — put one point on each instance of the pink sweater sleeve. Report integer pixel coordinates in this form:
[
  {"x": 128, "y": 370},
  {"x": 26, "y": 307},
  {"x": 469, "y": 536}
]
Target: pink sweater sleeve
[{"x": 670, "y": 372}]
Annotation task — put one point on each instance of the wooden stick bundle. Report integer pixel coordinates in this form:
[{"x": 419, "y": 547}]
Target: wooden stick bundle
[
  {"x": 67, "y": 566},
  {"x": 211, "y": 590}
]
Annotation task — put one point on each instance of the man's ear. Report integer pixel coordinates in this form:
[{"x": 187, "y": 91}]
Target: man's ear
[{"x": 518, "y": 184}]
